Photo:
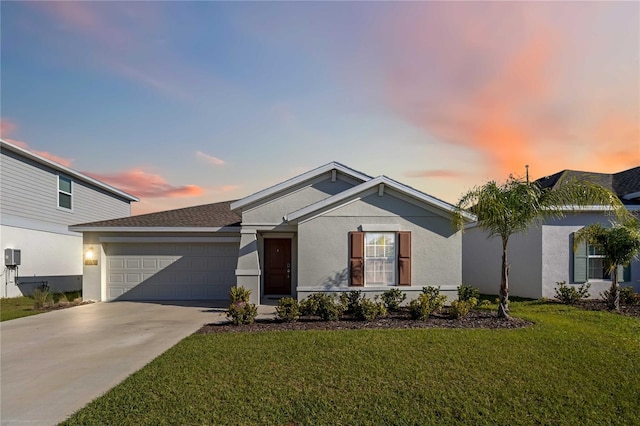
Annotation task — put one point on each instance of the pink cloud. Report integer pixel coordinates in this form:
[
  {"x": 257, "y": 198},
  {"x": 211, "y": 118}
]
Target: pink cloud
[
  {"x": 507, "y": 81},
  {"x": 209, "y": 159},
  {"x": 143, "y": 184},
  {"x": 7, "y": 127}
]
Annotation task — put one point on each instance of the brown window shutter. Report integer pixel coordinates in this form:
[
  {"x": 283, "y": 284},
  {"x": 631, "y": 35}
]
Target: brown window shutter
[
  {"x": 404, "y": 258},
  {"x": 356, "y": 258}
]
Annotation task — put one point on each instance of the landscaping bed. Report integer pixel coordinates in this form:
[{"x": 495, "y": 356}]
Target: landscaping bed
[
  {"x": 601, "y": 305},
  {"x": 394, "y": 320}
]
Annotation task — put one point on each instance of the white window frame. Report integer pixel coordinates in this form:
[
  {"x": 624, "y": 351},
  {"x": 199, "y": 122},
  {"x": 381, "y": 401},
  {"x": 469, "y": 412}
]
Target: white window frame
[
  {"x": 605, "y": 274},
  {"x": 370, "y": 260},
  {"x": 69, "y": 193}
]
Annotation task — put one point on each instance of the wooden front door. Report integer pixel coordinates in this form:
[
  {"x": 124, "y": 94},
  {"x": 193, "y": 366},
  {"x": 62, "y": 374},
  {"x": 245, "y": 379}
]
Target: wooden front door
[{"x": 277, "y": 266}]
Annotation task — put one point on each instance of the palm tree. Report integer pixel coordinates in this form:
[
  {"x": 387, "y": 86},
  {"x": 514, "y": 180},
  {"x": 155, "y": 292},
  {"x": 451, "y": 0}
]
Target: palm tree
[
  {"x": 504, "y": 209},
  {"x": 620, "y": 244}
]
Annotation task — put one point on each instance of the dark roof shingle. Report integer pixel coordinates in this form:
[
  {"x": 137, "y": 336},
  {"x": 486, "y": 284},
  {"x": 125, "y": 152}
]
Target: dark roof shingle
[
  {"x": 621, "y": 183},
  {"x": 209, "y": 215}
]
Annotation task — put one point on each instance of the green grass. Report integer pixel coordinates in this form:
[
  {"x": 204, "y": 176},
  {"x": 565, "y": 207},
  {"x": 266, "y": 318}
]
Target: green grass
[
  {"x": 18, "y": 307},
  {"x": 571, "y": 367}
]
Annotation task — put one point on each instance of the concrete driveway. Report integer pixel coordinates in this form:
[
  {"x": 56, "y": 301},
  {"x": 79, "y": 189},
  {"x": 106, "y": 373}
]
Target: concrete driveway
[{"x": 55, "y": 363}]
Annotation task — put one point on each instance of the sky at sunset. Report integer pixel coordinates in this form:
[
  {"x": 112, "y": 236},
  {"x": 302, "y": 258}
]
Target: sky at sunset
[{"x": 187, "y": 103}]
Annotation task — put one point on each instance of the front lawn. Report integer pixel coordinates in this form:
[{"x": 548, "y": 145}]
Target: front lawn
[
  {"x": 571, "y": 367},
  {"x": 18, "y": 307}
]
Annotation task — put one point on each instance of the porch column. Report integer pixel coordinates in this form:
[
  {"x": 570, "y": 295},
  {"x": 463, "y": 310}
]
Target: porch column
[{"x": 248, "y": 270}]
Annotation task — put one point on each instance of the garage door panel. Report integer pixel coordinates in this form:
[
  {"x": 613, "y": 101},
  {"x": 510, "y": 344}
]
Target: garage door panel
[
  {"x": 170, "y": 271},
  {"x": 116, "y": 263},
  {"x": 116, "y": 278},
  {"x": 135, "y": 263},
  {"x": 132, "y": 279},
  {"x": 149, "y": 263}
]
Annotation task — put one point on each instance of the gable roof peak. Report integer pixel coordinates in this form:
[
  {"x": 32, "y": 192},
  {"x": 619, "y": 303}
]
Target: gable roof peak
[{"x": 311, "y": 174}]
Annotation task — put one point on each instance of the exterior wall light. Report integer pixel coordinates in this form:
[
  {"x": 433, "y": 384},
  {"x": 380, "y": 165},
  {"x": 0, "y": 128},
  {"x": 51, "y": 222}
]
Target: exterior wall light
[{"x": 90, "y": 257}]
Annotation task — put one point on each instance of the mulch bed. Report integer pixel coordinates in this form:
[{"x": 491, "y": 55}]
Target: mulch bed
[
  {"x": 601, "y": 305},
  {"x": 394, "y": 320}
]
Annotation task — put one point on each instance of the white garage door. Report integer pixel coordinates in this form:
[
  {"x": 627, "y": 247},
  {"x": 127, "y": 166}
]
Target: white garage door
[{"x": 170, "y": 271}]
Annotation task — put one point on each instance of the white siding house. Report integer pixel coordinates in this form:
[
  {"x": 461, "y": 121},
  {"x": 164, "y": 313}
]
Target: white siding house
[{"x": 39, "y": 199}]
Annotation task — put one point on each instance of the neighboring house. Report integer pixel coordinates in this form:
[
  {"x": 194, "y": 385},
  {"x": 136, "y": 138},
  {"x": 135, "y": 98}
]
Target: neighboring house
[
  {"x": 544, "y": 255},
  {"x": 39, "y": 199},
  {"x": 331, "y": 229}
]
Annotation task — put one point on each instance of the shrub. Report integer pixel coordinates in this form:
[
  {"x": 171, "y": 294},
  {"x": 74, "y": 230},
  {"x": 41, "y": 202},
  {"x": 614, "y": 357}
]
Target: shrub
[
  {"x": 288, "y": 309},
  {"x": 569, "y": 294},
  {"x": 393, "y": 298},
  {"x": 63, "y": 300},
  {"x": 241, "y": 311},
  {"x": 467, "y": 292},
  {"x": 42, "y": 297},
  {"x": 368, "y": 310},
  {"x": 322, "y": 305},
  {"x": 628, "y": 297},
  {"x": 351, "y": 301},
  {"x": 239, "y": 294},
  {"x": 309, "y": 306},
  {"x": 460, "y": 308},
  {"x": 427, "y": 303}
]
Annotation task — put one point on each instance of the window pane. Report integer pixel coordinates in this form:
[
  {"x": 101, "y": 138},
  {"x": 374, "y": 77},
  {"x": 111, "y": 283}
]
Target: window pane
[
  {"x": 64, "y": 200},
  {"x": 380, "y": 258},
  {"x": 64, "y": 184},
  {"x": 597, "y": 269}
]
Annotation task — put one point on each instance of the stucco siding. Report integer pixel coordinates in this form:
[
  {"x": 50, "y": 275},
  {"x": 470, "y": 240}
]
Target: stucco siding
[
  {"x": 482, "y": 260},
  {"x": 30, "y": 190},
  {"x": 323, "y": 245},
  {"x": 272, "y": 210},
  {"x": 539, "y": 259},
  {"x": 557, "y": 253}
]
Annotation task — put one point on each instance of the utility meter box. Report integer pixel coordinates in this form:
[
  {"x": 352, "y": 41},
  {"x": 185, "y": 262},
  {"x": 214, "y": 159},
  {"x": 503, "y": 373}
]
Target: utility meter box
[{"x": 11, "y": 257}]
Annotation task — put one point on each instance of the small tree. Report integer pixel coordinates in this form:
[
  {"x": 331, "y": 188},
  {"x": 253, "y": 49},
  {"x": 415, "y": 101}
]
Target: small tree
[
  {"x": 512, "y": 207},
  {"x": 620, "y": 244}
]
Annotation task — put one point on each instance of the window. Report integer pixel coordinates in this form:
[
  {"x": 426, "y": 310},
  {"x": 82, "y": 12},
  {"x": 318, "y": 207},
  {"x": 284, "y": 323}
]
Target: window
[
  {"x": 589, "y": 264},
  {"x": 380, "y": 258},
  {"x": 595, "y": 261},
  {"x": 64, "y": 192}
]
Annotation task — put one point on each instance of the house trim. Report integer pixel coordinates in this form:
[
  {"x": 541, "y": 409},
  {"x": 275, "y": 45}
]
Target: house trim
[
  {"x": 153, "y": 229},
  {"x": 169, "y": 239},
  {"x": 65, "y": 170},
  {"x": 373, "y": 185},
  {"x": 283, "y": 186}
]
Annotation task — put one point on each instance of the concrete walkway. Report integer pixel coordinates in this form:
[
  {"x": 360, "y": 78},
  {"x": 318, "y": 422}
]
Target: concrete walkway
[{"x": 55, "y": 363}]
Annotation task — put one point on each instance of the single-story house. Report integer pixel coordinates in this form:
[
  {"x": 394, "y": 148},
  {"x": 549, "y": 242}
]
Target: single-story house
[
  {"x": 39, "y": 199},
  {"x": 331, "y": 229},
  {"x": 544, "y": 255}
]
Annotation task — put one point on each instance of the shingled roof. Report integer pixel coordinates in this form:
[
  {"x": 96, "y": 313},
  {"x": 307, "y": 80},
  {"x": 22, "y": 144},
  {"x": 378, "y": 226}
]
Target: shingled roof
[
  {"x": 214, "y": 215},
  {"x": 621, "y": 183}
]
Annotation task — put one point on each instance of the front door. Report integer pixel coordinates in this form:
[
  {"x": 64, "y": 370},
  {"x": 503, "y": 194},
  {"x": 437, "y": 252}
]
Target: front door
[{"x": 277, "y": 266}]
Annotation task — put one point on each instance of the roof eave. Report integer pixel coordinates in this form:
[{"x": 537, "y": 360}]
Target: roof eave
[
  {"x": 352, "y": 192},
  {"x": 253, "y": 198},
  {"x": 160, "y": 229},
  {"x": 35, "y": 157}
]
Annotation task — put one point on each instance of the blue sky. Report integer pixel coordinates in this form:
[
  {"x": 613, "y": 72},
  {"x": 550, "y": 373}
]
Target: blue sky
[{"x": 185, "y": 103}]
